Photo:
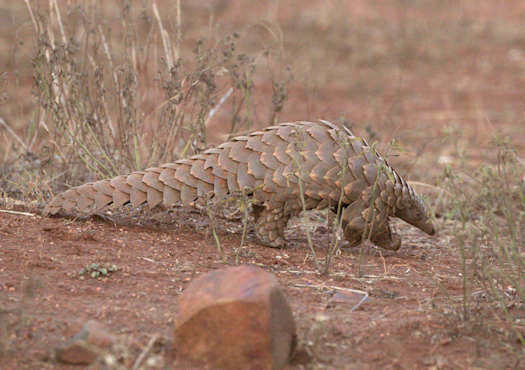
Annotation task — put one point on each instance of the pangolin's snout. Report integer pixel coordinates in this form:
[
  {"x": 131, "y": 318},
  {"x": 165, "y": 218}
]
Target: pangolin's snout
[{"x": 431, "y": 229}]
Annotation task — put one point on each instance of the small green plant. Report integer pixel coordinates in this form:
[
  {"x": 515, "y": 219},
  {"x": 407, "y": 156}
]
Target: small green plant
[
  {"x": 338, "y": 222},
  {"x": 345, "y": 164},
  {"x": 299, "y": 142},
  {"x": 245, "y": 203},
  {"x": 211, "y": 212},
  {"x": 96, "y": 269}
]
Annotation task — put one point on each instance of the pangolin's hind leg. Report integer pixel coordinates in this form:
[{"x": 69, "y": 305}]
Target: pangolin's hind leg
[
  {"x": 270, "y": 225},
  {"x": 356, "y": 229}
]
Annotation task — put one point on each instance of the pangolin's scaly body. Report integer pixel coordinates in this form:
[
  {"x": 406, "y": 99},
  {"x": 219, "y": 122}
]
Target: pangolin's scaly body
[{"x": 331, "y": 165}]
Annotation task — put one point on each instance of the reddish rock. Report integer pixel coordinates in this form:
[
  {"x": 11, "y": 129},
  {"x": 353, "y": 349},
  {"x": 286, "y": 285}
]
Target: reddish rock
[
  {"x": 87, "y": 344},
  {"x": 235, "y": 318}
]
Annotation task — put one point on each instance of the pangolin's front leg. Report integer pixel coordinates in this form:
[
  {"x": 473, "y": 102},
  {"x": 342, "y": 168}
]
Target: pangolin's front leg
[{"x": 358, "y": 224}]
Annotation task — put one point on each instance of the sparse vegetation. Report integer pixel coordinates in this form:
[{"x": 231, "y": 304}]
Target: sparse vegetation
[
  {"x": 114, "y": 101},
  {"x": 97, "y": 269},
  {"x": 487, "y": 230},
  {"x": 120, "y": 86}
]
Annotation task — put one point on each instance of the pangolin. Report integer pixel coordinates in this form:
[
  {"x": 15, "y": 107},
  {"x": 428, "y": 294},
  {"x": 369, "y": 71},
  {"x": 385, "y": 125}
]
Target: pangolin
[{"x": 273, "y": 166}]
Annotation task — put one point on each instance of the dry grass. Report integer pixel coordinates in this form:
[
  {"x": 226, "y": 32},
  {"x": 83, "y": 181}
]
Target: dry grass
[{"x": 113, "y": 100}]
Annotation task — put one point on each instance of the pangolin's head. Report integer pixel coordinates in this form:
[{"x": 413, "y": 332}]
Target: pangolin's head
[{"x": 416, "y": 214}]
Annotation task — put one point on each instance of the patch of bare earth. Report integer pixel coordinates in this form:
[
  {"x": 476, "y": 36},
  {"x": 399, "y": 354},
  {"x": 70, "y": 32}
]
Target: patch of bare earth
[{"x": 410, "y": 320}]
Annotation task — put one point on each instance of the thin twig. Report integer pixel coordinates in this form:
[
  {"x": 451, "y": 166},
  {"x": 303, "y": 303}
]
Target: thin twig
[
  {"x": 299, "y": 146},
  {"x": 144, "y": 352},
  {"x": 2, "y": 122},
  {"x": 365, "y": 294},
  {"x": 18, "y": 213}
]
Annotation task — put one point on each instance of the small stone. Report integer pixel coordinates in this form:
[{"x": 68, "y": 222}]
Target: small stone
[
  {"x": 87, "y": 344},
  {"x": 235, "y": 318}
]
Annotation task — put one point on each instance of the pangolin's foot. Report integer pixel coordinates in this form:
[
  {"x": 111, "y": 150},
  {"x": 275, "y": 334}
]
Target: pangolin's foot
[
  {"x": 354, "y": 232},
  {"x": 390, "y": 241}
]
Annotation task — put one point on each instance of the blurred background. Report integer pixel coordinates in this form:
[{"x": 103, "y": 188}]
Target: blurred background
[{"x": 93, "y": 88}]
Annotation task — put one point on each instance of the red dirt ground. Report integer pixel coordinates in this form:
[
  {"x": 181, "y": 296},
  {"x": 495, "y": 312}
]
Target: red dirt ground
[
  {"x": 394, "y": 69},
  {"x": 411, "y": 319}
]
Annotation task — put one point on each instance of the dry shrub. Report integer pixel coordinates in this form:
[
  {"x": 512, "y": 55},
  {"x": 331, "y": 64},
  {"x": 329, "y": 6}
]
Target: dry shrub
[
  {"x": 489, "y": 231},
  {"x": 116, "y": 94}
]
